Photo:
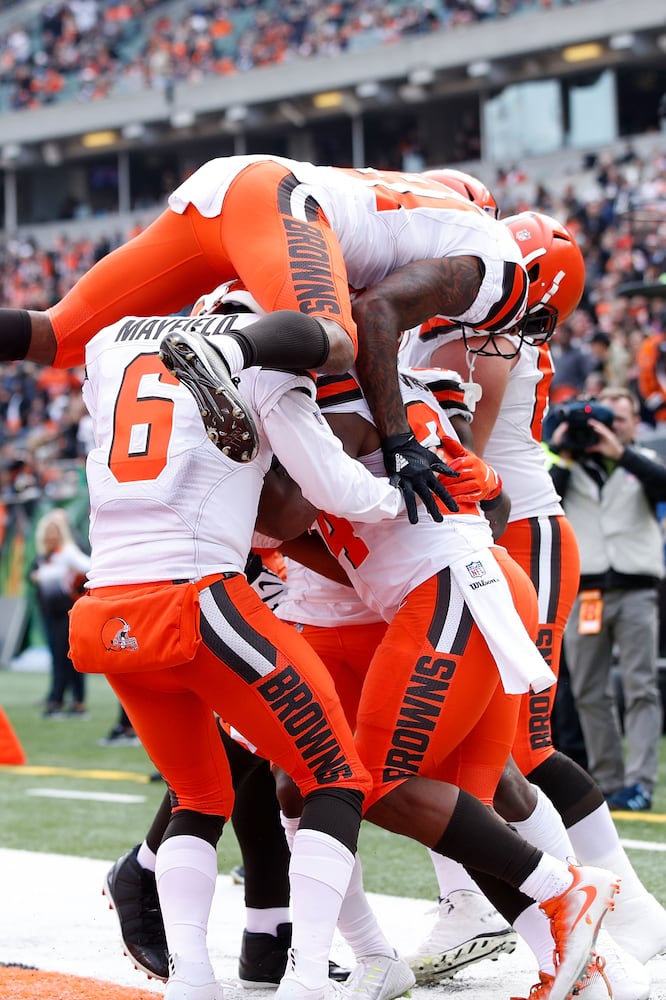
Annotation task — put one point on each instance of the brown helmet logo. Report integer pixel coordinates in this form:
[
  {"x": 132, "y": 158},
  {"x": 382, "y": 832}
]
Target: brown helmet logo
[{"x": 116, "y": 637}]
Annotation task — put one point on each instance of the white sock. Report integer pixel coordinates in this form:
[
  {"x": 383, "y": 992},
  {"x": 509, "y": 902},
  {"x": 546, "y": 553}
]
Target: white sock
[
  {"x": 551, "y": 877},
  {"x": 266, "y": 921},
  {"x": 451, "y": 876},
  {"x": 290, "y": 826},
  {"x": 534, "y": 928},
  {"x": 357, "y": 922},
  {"x": 186, "y": 874},
  {"x": 597, "y": 842},
  {"x": 545, "y": 829},
  {"x": 230, "y": 350},
  {"x": 319, "y": 874},
  {"x": 146, "y": 857}
]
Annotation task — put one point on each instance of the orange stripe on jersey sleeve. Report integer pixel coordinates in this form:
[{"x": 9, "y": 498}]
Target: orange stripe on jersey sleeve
[
  {"x": 337, "y": 389},
  {"x": 541, "y": 391},
  {"x": 434, "y": 327},
  {"x": 513, "y": 300},
  {"x": 447, "y": 390}
]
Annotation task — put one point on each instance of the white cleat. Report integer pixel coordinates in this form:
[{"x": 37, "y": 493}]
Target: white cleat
[
  {"x": 467, "y": 930},
  {"x": 192, "y": 981},
  {"x": 627, "y": 977},
  {"x": 575, "y": 918},
  {"x": 592, "y": 986},
  {"x": 293, "y": 988},
  {"x": 379, "y": 977},
  {"x": 638, "y": 926}
]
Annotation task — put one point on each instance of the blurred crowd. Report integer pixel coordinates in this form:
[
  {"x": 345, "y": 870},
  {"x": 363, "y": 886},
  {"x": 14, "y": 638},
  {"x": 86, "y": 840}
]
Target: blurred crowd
[{"x": 90, "y": 49}]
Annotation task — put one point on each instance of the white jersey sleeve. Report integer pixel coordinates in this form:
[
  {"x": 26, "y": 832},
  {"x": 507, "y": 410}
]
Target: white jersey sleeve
[{"x": 315, "y": 459}]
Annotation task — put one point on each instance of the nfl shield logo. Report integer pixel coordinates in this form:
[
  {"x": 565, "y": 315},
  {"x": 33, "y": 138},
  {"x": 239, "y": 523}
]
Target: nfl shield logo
[{"x": 476, "y": 569}]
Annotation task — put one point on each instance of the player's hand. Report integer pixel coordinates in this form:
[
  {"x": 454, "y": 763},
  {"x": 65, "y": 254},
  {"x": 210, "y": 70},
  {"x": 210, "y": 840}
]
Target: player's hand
[
  {"x": 476, "y": 480},
  {"x": 413, "y": 469}
]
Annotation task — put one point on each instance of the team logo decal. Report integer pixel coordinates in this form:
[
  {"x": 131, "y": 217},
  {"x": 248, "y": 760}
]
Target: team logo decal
[
  {"x": 116, "y": 637},
  {"x": 476, "y": 569},
  {"x": 523, "y": 234}
]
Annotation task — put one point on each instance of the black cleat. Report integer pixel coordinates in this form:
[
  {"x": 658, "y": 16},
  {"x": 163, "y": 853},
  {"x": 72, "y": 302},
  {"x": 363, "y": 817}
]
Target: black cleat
[
  {"x": 203, "y": 371},
  {"x": 132, "y": 893},
  {"x": 263, "y": 959}
]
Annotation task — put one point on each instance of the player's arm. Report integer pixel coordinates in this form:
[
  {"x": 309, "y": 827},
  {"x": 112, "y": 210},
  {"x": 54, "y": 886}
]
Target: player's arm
[
  {"x": 405, "y": 298},
  {"x": 310, "y": 550},
  {"x": 314, "y": 457},
  {"x": 283, "y": 511}
]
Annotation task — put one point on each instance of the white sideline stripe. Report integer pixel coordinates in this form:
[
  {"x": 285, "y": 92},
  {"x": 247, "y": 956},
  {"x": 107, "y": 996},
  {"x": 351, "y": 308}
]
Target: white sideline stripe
[
  {"x": 62, "y": 793},
  {"x": 643, "y": 845}
]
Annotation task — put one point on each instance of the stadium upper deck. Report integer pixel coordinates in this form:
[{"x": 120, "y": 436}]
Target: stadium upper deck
[{"x": 153, "y": 89}]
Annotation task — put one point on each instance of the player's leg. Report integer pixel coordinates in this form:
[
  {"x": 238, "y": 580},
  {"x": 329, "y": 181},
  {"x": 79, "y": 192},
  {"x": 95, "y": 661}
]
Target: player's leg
[
  {"x": 379, "y": 973},
  {"x": 285, "y": 253},
  {"x": 397, "y": 738},
  {"x": 178, "y": 731},
  {"x": 276, "y": 691}
]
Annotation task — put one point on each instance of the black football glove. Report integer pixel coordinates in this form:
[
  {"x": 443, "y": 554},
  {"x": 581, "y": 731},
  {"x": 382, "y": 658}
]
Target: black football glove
[{"x": 413, "y": 468}]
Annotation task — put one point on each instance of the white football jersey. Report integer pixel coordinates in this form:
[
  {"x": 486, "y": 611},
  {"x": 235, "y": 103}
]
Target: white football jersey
[
  {"x": 165, "y": 502},
  {"x": 386, "y": 562},
  {"x": 379, "y": 233},
  {"x": 312, "y": 599},
  {"x": 384, "y": 566},
  {"x": 514, "y": 446}
]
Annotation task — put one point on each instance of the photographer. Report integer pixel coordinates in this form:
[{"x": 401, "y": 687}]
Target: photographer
[{"x": 609, "y": 488}]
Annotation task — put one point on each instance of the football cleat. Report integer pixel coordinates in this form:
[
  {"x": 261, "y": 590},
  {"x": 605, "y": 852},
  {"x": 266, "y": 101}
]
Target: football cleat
[
  {"x": 293, "y": 988},
  {"x": 593, "y": 985},
  {"x": 575, "y": 918},
  {"x": 263, "y": 959},
  {"x": 627, "y": 978},
  {"x": 380, "y": 977},
  {"x": 467, "y": 930},
  {"x": 638, "y": 925},
  {"x": 204, "y": 373},
  {"x": 132, "y": 893},
  {"x": 192, "y": 981}
]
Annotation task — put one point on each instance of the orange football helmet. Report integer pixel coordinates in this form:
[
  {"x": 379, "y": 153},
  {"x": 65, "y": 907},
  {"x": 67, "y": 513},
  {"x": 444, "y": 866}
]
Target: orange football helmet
[
  {"x": 556, "y": 272},
  {"x": 468, "y": 186}
]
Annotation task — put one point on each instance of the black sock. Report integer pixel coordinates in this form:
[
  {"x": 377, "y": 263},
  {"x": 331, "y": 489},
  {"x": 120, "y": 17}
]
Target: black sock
[{"x": 284, "y": 339}]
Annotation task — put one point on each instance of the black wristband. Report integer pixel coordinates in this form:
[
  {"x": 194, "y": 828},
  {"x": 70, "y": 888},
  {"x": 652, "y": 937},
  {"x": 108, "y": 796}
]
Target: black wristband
[
  {"x": 488, "y": 505},
  {"x": 15, "y": 334}
]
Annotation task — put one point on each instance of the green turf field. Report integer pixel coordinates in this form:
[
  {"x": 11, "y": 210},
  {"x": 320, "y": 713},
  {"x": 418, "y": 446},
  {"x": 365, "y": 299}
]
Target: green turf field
[{"x": 64, "y": 760}]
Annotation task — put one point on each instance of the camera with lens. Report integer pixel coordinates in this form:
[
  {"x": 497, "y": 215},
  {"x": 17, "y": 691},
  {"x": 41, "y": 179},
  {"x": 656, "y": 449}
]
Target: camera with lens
[{"x": 579, "y": 435}]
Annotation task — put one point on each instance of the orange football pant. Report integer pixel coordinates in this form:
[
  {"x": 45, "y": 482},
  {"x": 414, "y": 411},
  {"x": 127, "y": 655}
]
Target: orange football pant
[
  {"x": 180, "y": 257},
  {"x": 440, "y": 712},
  {"x": 263, "y": 678},
  {"x": 547, "y": 550}
]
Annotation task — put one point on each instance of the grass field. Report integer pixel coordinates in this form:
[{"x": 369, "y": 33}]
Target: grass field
[{"x": 48, "y": 805}]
